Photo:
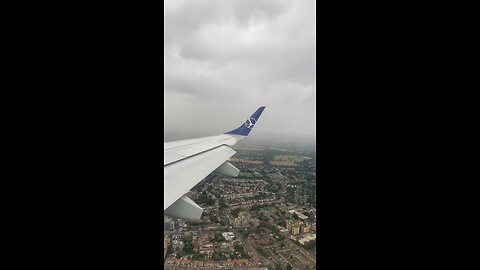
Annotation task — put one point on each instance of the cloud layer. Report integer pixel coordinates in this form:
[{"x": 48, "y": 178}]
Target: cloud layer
[{"x": 224, "y": 59}]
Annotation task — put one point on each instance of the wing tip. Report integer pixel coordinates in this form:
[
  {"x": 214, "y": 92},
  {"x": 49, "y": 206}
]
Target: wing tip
[{"x": 246, "y": 127}]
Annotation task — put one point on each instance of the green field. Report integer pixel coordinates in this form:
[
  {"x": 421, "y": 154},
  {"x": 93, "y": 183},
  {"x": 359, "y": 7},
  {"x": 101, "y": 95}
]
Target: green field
[
  {"x": 272, "y": 209},
  {"x": 246, "y": 160},
  {"x": 246, "y": 174},
  {"x": 288, "y": 160}
]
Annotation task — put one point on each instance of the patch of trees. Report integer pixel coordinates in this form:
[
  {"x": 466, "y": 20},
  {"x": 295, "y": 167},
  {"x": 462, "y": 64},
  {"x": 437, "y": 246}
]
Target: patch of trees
[
  {"x": 205, "y": 199},
  {"x": 310, "y": 244},
  {"x": 219, "y": 256},
  {"x": 222, "y": 203},
  {"x": 193, "y": 223},
  {"x": 290, "y": 195},
  {"x": 312, "y": 200},
  {"x": 213, "y": 218},
  {"x": 243, "y": 254},
  {"x": 309, "y": 177},
  {"x": 235, "y": 212},
  {"x": 257, "y": 207},
  {"x": 267, "y": 157},
  {"x": 217, "y": 238},
  {"x": 268, "y": 226},
  {"x": 272, "y": 188},
  {"x": 261, "y": 251},
  {"x": 198, "y": 257},
  {"x": 188, "y": 248}
]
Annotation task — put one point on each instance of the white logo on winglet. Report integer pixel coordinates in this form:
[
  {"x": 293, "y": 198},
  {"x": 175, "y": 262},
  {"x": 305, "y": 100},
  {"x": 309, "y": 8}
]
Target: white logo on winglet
[{"x": 250, "y": 123}]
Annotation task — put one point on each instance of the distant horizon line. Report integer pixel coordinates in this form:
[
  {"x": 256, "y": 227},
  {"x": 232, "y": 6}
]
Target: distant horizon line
[{"x": 254, "y": 134}]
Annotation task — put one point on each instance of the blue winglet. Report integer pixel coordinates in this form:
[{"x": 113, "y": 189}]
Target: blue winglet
[{"x": 246, "y": 127}]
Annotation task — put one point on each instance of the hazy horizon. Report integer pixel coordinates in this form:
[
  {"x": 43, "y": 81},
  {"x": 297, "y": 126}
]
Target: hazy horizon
[{"x": 302, "y": 143}]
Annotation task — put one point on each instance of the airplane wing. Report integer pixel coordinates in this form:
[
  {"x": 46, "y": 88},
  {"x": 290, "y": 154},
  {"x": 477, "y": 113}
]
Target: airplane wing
[{"x": 188, "y": 162}]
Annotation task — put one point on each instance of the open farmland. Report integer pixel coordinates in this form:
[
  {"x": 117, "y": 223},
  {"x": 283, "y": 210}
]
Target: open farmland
[
  {"x": 246, "y": 160},
  {"x": 288, "y": 160}
]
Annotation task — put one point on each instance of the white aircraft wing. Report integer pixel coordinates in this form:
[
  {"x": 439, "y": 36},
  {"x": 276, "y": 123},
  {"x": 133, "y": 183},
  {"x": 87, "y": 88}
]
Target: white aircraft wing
[{"x": 188, "y": 162}]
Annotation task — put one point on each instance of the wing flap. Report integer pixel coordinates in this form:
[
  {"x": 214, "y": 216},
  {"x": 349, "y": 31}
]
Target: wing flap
[
  {"x": 185, "y": 208},
  {"x": 228, "y": 169}
]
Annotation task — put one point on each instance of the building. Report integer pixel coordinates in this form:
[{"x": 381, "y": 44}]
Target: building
[
  {"x": 242, "y": 220},
  {"x": 282, "y": 231},
  {"x": 169, "y": 225},
  {"x": 299, "y": 215},
  {"x": 305, "y": 229},
  {"x": 206, "y": 250},
  {"x": 229, "y": 236},
  {"x": 307, "y": 238},
  {"x": 289, "y": 224},
  {"x": 166, "y": 242},
  {"x": 295, "y": 230}
]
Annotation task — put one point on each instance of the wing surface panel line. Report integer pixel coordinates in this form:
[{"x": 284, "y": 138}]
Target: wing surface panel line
[{"x": 196, "y": 154}]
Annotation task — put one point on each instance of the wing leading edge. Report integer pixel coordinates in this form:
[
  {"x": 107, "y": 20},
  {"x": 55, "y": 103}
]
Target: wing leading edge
[{"x": 188, "y": 162}]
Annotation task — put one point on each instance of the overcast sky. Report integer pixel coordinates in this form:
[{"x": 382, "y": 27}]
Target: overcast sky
[{"x": 223, "y": 59}]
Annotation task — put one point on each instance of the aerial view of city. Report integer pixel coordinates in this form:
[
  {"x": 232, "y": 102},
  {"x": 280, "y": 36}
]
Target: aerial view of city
[{"x": 263, "y": 219}]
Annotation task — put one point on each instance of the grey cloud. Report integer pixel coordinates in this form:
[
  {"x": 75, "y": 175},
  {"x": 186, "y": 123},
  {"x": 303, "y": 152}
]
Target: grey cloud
[{"x": 223, "y": 59}]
